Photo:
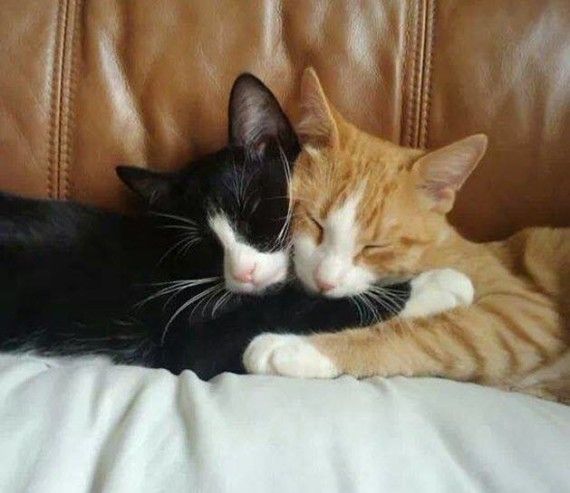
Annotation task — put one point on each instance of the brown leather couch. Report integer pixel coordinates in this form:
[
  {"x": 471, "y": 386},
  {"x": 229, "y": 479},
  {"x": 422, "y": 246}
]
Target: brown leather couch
[{"x": 85, "y": 85}]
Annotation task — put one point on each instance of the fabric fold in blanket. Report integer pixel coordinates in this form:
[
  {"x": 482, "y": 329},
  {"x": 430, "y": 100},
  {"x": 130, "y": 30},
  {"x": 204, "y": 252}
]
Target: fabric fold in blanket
[{"x": 88, "y": 427}]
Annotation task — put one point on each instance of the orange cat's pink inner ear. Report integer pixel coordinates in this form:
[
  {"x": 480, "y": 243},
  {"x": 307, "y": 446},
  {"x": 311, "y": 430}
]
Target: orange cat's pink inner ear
[
  {"x": 317, "y": 125},
  {"x": 441, "y": 173}
]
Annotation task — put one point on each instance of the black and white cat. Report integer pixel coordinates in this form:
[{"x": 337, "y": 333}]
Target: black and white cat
[{"x": 179, "y": 285}]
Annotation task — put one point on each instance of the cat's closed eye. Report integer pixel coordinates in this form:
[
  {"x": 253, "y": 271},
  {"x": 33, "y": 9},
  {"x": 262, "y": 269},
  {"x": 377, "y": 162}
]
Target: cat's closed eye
[
  {"x": 377, "y": 247},
  {"x": 317, "y": 225},
  {"x": 315, "y": 222}
]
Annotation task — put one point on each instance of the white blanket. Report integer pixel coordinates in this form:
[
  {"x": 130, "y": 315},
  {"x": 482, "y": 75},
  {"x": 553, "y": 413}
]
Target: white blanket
[{"x": 90, "y": 427}]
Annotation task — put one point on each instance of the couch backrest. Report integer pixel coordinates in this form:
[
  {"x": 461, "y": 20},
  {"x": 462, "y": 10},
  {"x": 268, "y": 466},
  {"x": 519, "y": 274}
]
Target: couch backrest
[{"x": 86, "y": 85}]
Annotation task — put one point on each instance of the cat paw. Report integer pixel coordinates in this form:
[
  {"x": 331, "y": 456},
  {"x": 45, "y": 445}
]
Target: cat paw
[
  {"x": 287, "y": 355},
  {"x": 436, "y": 291}
]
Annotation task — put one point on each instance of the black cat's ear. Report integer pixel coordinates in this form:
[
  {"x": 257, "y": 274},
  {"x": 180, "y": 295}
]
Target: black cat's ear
[
  {"x": 256, "y": 118},
  {"x": 149, "y": 185}
]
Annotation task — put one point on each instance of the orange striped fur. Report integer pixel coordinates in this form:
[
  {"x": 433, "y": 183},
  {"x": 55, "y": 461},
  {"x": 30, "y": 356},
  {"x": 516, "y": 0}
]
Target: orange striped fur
[{"x": 515, "y": 335}]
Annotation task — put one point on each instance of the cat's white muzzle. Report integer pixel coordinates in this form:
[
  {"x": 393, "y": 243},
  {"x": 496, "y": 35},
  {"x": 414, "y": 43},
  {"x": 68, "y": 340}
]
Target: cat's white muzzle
[
  {"x": 249, "y": 271},
  {"x": 328, "y": 273}
]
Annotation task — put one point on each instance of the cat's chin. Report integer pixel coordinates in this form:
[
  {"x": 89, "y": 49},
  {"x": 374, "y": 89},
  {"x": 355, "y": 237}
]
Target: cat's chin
[
  {"x": 248, "y": 289},
  {"x": 341, "y": 292}
]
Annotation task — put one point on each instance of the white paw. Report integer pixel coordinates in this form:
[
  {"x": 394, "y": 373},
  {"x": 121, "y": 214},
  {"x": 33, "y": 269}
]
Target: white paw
[
  {"x": 436, "y": 291},
  {"x": 287, "y": 355}
]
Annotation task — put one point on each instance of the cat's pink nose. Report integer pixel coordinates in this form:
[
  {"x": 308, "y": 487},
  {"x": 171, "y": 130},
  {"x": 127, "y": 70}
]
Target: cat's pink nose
[
  {"x": 244, "y": 275},
  {"x": 323, "y": 285}
]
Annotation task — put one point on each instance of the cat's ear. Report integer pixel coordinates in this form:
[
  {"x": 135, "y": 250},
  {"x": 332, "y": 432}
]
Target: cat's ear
[
  {"x": 151, "y": 186},
  {"x": 317, "y": 125},
  {"x": 256, "y": 118},
  {"x": 441, "y": 173}
]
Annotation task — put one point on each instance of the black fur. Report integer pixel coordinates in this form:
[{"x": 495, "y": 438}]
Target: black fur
[{"x": 75, "y": 280}]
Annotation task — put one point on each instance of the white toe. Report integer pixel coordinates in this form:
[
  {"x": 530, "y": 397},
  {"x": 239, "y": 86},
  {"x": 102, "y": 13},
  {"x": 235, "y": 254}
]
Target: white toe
[
  {"x": 256, "y": 358},
  {"x": 287, "y": 355}
]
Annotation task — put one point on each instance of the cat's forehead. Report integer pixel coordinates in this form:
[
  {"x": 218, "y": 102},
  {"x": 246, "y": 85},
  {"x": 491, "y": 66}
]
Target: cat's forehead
[
  {"x": 370, "y": 208},
  {"x": 329, "y": 188}
]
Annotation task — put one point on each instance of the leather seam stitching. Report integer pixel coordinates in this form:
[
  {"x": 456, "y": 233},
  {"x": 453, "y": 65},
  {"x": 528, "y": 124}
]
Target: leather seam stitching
[
  {"x": 405, "y": 67},
  {"x": 54, "y": 116},
  {"x": 412, "y": 75},
  {"x": 428, "y": 64},
  {"x": 418, "y": 97},
  {"x": 68, "y": 94},
  {"x": 62, "y": 83}
]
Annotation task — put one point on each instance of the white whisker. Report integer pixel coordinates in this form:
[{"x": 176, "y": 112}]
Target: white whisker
[
  {"x": 284, "y": 232},
  {"x": 224, "y": 299},
  {"x": 354, "y": 301},
  {"x": 178, "y": 245},
  {"x": 177, "y": 285},
  {"x": 184, "y": 306},
  {"x": 384, "y": 301},
  {"x": 205, "y": 295},
  {"x": 218, "y": 289},
  {"x": 175, "y": 217},
  {"x": 183, "y": 227}
]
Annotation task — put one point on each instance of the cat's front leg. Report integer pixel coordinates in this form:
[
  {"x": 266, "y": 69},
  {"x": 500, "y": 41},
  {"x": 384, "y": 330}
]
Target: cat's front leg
[
  {"x": 432, "y": 292},
  {"x": 436, "y": 291},
  {"x": 387, "y": 349},
  {"x": 288, "y": 355}
]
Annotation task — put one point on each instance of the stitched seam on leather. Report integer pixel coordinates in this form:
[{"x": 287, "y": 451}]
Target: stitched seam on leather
[
  {"x": 68, "y": 94},
  {"x": 411, "y": 74},
  {"x": 428, "y": 63},
  {"x": 54, "y": 117},
  {"x": 404, "y": 118},
  {"x": 422, "y": 25}
]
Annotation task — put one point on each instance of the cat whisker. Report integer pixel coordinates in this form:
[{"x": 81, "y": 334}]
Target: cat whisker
[
  {"x": 220, "y": 289},
  {"x": 175, "y": 292},
  {"x": 182, "y": 227},
  {"x": 371, "y": 308},
  {"x": 160, "y": 293},
  {"x": 245, "y": 186},
  {"x": 378, "y": 314},
  {"x": 384, "y": 299},
  {"x": 175, "y": 218},
  {"x": 387, "y": 298},
  {"x": 172, "y": 286},
  {"x": 379, "y": 295},
  {"x": 182, "y": 245},
  {"x": 354, "y": 301},
  {"x": 391, "y": 294},
  {"x": 284, "y": 233},
  {"x": 184, "y": 306},
  {"x": 186, "y": 236},
  {"x": 191, "y": 242},
  {"x": 170, "y": 250},
  {"x": 179, "y": 281},
  {"x": 388, "y": 304},
  {"x": 224, "y": 299},
  {"x": 205, "y": 298},
  {"x": 363, "y": 319}
]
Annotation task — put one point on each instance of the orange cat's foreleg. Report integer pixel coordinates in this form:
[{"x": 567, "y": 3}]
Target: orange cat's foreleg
[
  {"x": 498, "y": 341},
  {"x": 435, "y": 346}
]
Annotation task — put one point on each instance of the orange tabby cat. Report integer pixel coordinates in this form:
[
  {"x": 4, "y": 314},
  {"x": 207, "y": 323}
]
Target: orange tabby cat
[{"x": 368, "y": 210}]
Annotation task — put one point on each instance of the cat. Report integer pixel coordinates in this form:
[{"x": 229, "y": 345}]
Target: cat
[
  {"x": 178, "y": 286},
  {"x": 367, "y": 211}
]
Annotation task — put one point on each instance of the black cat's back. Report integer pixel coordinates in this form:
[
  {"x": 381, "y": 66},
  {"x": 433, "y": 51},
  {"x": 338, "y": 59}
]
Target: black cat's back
[{"x": 65, "y": 263}]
